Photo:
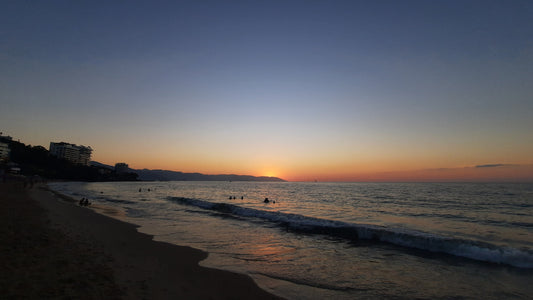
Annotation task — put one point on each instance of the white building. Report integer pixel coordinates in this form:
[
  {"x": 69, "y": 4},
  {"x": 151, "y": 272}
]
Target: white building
[
  {"x": 77, "y": 154},
  {"x": 4, "y": 151}
]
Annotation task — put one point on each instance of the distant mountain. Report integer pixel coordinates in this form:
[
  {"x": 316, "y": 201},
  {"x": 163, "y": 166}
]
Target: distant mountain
[
  {"x": 166, "y": 175},
  {"x": 101, "y": 165}
]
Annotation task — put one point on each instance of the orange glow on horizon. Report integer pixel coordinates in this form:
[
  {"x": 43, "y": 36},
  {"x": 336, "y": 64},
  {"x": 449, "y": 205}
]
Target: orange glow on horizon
[
  {"x": 498, "y": 173},
  {"x": 329, "y": 171},
  {"x": 270, "y": 174}
]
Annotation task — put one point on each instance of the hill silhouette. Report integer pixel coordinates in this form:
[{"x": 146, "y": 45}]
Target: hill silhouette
[{"x": 167, "y": 175}]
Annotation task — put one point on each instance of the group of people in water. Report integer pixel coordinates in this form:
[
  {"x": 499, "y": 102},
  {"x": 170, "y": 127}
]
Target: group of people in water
[
  {"x": 242, "y": 197},
  {"x": 84, "y": 202},
  {"x": 268, "y": 201}
]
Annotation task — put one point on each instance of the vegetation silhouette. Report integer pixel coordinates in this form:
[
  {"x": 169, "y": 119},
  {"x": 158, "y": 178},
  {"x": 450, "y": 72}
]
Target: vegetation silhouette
[{"x": 37, "y": 160}]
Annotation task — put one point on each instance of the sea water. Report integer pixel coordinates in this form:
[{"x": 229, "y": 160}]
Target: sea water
[{"x": 342, "y": 240}]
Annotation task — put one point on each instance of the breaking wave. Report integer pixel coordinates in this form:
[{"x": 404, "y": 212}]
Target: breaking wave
[{"x": 481, "y": 251}]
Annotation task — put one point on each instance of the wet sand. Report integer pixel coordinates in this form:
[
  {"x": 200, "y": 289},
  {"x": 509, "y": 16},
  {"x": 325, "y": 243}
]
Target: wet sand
[{"x": 53, "y": 248}]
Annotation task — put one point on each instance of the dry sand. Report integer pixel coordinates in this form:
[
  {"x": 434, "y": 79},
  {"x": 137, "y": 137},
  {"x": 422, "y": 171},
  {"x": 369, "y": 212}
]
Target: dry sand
[{"x": 53, "y": 248}]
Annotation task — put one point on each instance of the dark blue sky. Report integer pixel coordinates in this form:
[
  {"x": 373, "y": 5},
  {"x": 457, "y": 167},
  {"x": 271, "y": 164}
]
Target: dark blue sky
[{"x": 85, "y": 30}]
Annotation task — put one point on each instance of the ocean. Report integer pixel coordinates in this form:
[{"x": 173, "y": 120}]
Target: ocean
[{"x": 342, "y": 240}]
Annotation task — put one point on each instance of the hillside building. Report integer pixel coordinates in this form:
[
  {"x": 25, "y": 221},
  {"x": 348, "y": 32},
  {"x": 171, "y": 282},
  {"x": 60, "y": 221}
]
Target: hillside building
[
  {"x": 122, "y": 168},
  {"x": 4, "y": 152},
  {"x": 76, "y": 154},
  {"x": 5, "y": 138}
]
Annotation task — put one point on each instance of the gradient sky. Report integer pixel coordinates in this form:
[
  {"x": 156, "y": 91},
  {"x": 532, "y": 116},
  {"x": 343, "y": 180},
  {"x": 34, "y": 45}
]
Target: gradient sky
[{"x": 303, "y": 90}]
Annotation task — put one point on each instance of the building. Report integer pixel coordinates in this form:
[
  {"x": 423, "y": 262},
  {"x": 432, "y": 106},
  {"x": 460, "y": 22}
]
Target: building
[
  {"x": 5, "y": 138},
  {"x": 76, "y": 154},
  {"x": 122, "y": 168},
  {"x": 4, "y": 152}
]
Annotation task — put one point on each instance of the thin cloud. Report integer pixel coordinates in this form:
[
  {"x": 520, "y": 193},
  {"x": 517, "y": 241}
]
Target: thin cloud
[
  {"x": 479, "y": 173},
  {"x": 494, "y": 165}
]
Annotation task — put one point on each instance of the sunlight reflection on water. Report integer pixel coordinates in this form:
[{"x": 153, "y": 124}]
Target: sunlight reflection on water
[{"x": 306, "y": 264}]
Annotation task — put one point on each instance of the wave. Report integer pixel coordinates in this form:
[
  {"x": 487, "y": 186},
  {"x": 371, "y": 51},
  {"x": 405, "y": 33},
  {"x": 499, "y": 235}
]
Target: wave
[
  {"x": 481, "y": 251},
  {"x": 116, "y": 200}
]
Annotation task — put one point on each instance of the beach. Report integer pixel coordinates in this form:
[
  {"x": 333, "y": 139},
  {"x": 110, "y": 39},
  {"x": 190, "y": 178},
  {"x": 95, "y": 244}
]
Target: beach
[
  {"x": 340, "y": 240},
  {"x": 53, "y": 248}
]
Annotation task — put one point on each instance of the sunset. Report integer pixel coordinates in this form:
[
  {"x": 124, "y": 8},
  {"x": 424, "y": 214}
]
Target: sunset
[
  {"x": 266, "y": 149},
  {"x": 327, "y": 91}
]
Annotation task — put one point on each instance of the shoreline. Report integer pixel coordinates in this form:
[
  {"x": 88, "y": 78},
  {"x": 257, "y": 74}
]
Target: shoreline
[{"x": 58, "y": 248}]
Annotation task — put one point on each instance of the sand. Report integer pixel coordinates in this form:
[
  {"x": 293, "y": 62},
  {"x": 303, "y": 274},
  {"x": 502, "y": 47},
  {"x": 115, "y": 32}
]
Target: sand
[{"x": 53, "y": 248}]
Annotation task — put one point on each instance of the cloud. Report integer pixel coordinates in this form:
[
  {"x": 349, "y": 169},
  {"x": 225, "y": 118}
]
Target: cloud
[
  {"x": 479, "y": 173},
  {"x": 490, "y": 166},
  {"x": 496, "y": 165}
]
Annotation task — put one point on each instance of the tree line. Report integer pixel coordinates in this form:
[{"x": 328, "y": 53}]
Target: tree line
[{"x": 36, "y": 160}]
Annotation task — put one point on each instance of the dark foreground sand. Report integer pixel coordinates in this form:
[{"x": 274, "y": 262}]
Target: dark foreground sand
[{"x": 52, "y": 248}]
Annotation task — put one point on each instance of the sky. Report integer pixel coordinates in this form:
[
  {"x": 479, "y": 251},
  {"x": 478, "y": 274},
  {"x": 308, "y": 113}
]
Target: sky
[{"x": 302, "y": 90}]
